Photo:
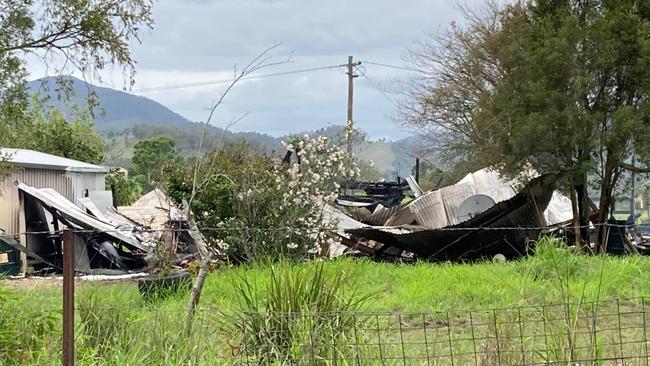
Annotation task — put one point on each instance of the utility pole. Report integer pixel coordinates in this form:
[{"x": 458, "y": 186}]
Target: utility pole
[{"x": 351, "y": 77}]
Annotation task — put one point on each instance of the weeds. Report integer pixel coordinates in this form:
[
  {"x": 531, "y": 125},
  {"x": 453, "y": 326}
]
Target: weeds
[
  {"x": 24, "y": 331},
  {"x": 303, "y": 314},
  {"x": 309, "y": 313}
]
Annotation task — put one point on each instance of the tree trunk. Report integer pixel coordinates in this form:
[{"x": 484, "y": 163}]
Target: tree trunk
[
  {"x": 583, "y": 212},
  {"x": 579, "y": 182},
  {"x": 606, "y": 190},
  {"x": 576, "y": 218},
  {"x": 196, "y": 292}
]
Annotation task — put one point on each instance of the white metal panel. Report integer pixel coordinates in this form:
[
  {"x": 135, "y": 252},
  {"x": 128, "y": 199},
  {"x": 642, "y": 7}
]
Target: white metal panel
[
  {"x": 453, "y": 197},
  {"x": 474, "y": 205},
  {"x": 498, "y": 194},
  {"x": 429, "y": 210},
  {"x": 558, "y": 210},
  {"x": 103, "y": 200}
]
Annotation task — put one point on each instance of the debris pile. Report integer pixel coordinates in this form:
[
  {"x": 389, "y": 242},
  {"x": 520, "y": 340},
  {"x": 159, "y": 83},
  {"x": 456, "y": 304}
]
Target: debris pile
[
  {"x": 480, "y": 216},
  {"x": 107, "y": 240}
]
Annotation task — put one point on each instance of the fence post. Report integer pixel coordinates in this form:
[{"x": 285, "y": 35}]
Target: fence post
[{"x": 68, "y": 297}]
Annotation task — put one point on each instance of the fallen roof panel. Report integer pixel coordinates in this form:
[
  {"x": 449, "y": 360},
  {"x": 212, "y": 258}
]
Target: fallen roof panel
[{"x": 75, "y": 215}]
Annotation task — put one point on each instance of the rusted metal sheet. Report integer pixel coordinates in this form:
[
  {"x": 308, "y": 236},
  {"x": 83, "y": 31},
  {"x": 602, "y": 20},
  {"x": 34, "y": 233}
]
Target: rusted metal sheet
[
  {"x": 381, "y": 215},
  {"x": 403, "y": 216},
  {"x": 377, "y": 218}
]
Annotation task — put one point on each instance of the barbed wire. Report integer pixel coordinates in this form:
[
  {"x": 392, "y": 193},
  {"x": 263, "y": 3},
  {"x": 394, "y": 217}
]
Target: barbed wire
[
  {"x": 584, "y": 303},
  {"x": 405, "y": 229}
]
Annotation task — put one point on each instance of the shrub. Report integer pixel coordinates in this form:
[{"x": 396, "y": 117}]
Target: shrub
[
  {"x": 127, "y": 190},
  {"x": 256, "y": 209},
  {"x": 303, "y": 315}
]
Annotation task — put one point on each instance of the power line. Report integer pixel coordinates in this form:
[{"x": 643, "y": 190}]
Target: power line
[
  {"x": 223, "y": 81},
  {"x": 393, "y": 66},
  {"x": 372, "y": 83}
]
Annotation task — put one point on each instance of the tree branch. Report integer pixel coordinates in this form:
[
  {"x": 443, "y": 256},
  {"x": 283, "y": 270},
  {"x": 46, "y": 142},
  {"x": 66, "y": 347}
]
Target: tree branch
[{"x": 634, "y": 169}]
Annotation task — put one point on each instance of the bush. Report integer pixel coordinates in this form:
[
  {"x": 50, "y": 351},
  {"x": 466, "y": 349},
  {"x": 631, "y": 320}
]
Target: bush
[
  {"x": 257, "y": 209},
  {"x": 127, "y": 190},
  {"x": 303, "y": 315}
]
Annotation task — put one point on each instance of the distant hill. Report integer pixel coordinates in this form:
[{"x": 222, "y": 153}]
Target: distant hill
[
  {"x": 121, "y": 110},
  {"x": 128, "y": 118}
]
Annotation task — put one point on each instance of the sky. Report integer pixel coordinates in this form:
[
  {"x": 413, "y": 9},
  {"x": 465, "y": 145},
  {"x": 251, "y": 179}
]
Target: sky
[{"x": 198, "y": 41}]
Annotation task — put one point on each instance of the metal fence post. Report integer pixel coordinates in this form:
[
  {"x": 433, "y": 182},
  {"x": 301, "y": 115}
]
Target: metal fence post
[{"x": 68, "y": 297}]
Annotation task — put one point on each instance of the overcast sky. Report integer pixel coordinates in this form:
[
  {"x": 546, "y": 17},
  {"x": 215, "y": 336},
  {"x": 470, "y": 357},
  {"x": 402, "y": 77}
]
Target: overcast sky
[{"x": 200, "y": 41}]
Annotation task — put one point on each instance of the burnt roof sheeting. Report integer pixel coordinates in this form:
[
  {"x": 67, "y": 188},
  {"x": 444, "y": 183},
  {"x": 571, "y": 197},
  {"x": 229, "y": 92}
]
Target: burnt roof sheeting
[
  {"x": 53, "y": 200},
  {"x": 381, "y": 215},
  {"x": 403, "y": 216},
  {"x": 463, "y": 241},
  {"x": 376, "y": 218}
]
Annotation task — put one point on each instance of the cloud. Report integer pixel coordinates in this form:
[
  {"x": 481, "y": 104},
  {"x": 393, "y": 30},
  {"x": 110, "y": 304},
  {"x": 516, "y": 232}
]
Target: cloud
[{"x": 198, "y": 41}]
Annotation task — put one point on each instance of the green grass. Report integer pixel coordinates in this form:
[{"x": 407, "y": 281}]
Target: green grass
[{"x": 126, "y": 330}]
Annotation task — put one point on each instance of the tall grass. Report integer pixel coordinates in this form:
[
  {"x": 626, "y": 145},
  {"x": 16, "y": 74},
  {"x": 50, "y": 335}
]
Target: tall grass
[
  {"x": 302, "y": 315},
  {"x": 310, "y": 312}
]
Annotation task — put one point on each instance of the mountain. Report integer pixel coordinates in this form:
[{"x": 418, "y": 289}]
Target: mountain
[
  {"x": 128, "y": 118},
  {"x": 121, "y": 110}
]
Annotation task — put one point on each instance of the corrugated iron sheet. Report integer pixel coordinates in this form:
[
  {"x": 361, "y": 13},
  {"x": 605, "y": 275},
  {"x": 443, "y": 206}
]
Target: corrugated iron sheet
[
  {"x": 74, "y": 214},
  {"x": 440, "y": 208},
  {"x": 403, "y": 216},
  {"x": 452, "y": 197},
  {"x": 429, "y": 210}
]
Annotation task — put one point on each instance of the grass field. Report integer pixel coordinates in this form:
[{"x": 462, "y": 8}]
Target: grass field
[{"x": 116, "y": 326}]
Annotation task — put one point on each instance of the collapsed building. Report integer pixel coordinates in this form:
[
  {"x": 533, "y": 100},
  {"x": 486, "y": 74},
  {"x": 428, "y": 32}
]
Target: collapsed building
[
  {"x": 46, "y": 194},
  {"x": 480, "y": 216}
]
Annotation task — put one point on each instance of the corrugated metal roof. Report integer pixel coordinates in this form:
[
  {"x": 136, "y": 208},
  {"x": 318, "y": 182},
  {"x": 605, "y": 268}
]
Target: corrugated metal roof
[
  {"x": 439, "y": 208},
  {"x": 36, "y": 159},
  {"x": 51, "y": 198}
]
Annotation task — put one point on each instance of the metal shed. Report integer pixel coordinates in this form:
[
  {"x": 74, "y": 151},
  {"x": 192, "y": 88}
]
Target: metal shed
[{"x": 71, "y": 178}]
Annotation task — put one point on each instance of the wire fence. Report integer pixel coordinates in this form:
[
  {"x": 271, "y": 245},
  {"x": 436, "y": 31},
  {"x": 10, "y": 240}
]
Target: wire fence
[
  {"x": 605, "y": 332},
  {"x": 303, "y": 229}
]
